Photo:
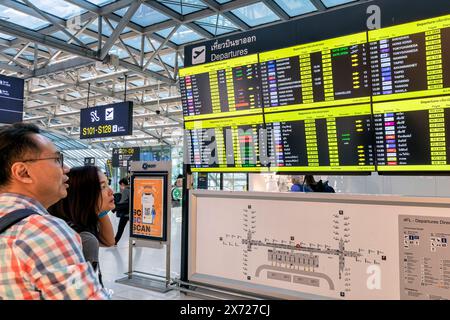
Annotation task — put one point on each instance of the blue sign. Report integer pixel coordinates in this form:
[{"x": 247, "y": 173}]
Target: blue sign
[
  {"x": 11, "y": 99},
  {"x": 110, "y": 120}
]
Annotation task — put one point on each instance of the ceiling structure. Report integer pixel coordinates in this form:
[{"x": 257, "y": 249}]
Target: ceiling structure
[{"x": 79, "y": 53}]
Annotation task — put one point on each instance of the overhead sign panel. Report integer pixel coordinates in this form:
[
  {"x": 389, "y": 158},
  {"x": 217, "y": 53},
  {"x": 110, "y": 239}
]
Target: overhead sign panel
[
  {"x": 11, "y": 99},
  {"x": 107, "y": 121}
]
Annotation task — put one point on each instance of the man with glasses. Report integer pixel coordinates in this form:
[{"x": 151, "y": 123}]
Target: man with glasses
[{"x": 40, "y": 256}]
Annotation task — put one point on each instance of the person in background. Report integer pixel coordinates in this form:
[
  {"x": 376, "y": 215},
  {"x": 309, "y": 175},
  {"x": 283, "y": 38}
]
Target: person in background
[
  {"x": 86, "y": 208},
  {"x": 41, "y": 256},
  {"x": 317, "y": 186},
  {"x": 297, "y": 185},
  {"x": 122, "y": 208}
]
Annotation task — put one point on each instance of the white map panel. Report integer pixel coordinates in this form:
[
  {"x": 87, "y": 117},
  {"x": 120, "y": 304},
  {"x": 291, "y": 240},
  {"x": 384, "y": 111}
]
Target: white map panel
[{"x": 290, "y": 246}]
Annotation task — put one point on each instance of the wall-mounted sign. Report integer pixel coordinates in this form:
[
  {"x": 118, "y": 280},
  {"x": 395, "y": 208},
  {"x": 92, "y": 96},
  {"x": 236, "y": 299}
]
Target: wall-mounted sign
[
  {"x": 107, "y": 121},
  {"x": 11, "y": 99},
  {"x": 121, "y": 157},
  {"x": 89, "y": 161},
  {"x": 149, "y": 207},
  {"x": 108, "y": 168}
]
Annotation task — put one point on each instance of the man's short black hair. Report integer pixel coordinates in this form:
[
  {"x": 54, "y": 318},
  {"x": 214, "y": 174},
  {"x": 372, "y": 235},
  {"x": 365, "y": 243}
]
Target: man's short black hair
[
  {"x": 15, "y": 142},
  {"x": 124, "y": 181}
]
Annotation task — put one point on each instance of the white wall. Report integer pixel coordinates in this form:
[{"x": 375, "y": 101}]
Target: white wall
[{"x": 374, "y": 184}]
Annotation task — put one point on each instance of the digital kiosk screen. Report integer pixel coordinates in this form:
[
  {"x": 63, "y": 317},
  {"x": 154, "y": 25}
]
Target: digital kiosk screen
[
  {"x": 330, "y": 139},
  {"x": 411, "y": 60},
  {"x": 218, "y": 89},
  {"x": 226, "y": 144},
  {"x": 412, "y": 135},
  {"x": 325, "y": 73},
  {"x": 11, "y": 99}
]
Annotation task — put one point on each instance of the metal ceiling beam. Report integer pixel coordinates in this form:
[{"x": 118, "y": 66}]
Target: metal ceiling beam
[
  {"x": 85, "y": 5},
  {"x": 56, "y": 22},
  {"x": 277, "y": 10},
  {"x": 319, "y": 5},
  {"x": 119, "y": 28},
  {"x": 30, "y": 35},
  {"x": 13, "y": 68}
]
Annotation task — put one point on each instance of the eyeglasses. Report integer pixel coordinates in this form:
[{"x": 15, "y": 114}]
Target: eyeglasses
[{"x": 59, "y": 158}]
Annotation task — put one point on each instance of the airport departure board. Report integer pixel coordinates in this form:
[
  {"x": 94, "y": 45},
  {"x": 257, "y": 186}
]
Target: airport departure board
[
  {"x": 325, "y": 73},
  {"x": 411, "y": 60},
  {"x": 412, "y": 135},
  {"x": 225, "y": 88},
  {"x": 322, "y": 140},
  {"x": 376, "y": 100},
  {"x": 224, "y": 145}
]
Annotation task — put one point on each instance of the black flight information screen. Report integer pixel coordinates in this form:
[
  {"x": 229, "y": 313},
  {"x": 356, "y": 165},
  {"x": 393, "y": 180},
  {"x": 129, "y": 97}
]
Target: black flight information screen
[
  {"x": 11, "y": 99},
  {"x": 224, "y": 145},
  {"x": 411, "y": 60},
  {"x": 329, "y": 139},
  {"x": 325, "y": 73},
  {"x": 226, "y": 88},
  {"x": 412, "y": 135}
]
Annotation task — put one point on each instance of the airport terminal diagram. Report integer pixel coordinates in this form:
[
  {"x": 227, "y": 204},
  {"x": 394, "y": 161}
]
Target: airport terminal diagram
[
  {"x": 290, "y": 248},
  {"x": 299, "y": 261}
]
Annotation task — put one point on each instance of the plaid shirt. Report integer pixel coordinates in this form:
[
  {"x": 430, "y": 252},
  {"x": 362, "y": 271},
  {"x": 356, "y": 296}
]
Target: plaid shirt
[{"x": 41, "y": 257}]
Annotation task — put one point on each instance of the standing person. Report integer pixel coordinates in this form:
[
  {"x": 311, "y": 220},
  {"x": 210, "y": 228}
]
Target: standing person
[
  {"x": 298, "y": 186},
  {"x": 40, "y": 255},
  {"x": 123, "y": 207},
  {"x": 86, "y": 208},
  {"x": 317, "y": 186}
]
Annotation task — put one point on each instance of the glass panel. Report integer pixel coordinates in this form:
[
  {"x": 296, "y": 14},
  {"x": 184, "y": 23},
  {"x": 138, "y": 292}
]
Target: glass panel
[
  {"x": 106, "y": 29},
  {"x": 144, "y": 16},
  {"x": 84, "y": 38},
  {"x": 185, "y": 6},
  {"x": 155, "y": 67},
  {"x": 181, "y": 36},
  {"x": 223, "y": 24},
  {"x": 256, "y": 14},
  {"x": 119, "y": 52},
  {"x": 22, "y": 19},
  {"x": 136, "y": 43},
  {"x": 6, "y": 36},
  {"x": 332, "y": 3},
  {"x": 58, "y": 8},
  {"x": 222, "y": 1},
  {"x": 170, "y": 59},
  {"x": 296, "y": 7},
  {"x": 100, "y": 2}
]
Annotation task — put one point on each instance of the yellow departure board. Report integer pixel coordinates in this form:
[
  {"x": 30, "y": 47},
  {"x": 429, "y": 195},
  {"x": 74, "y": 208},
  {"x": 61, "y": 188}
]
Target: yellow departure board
[
  {"x": 225, "y": 144},
  {"x": 221, "y": 89},
  {"x": 325, "y": 73},
  {"x": 412, "y": 135},
  {"x": 411, "y": 60},
  {"x": 338, "y": 139}
]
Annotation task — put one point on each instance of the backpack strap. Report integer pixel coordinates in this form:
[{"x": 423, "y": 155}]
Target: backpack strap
[{"x": 14, "y": 217}]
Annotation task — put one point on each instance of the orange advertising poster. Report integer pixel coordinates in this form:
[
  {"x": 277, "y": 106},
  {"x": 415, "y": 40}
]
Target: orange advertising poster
[{"x": 148, "y": 207}]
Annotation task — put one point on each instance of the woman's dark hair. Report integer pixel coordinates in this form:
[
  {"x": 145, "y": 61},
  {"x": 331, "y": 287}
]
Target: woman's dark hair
[
  {"x": 16, "y": 141},
  {"x": 309, "y": 180},
  {"x": 80, "y": 207},
  {"x": 124, "y": 181}
]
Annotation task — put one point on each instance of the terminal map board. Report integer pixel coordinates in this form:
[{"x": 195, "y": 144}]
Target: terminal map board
[
  {"x": 412, "y": 135},
  {"x": 411, "y": 60},
  {"x": 225, "y": 144},
  {"x": 324, "y": 73},
  {"x": 224, "y": 88},
  {"x": 329, "y": 139}
]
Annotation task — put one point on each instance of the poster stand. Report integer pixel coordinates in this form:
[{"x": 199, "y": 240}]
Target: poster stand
[{"x": 150, "y": 211}]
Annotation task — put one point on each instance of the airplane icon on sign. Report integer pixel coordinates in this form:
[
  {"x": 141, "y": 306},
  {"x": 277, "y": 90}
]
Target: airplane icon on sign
[{"x": 197, "y": 53}]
